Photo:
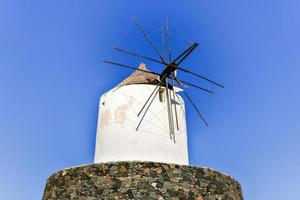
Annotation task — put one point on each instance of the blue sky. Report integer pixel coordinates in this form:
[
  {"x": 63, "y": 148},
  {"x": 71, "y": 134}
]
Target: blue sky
[{"x": 52, "y": 75}]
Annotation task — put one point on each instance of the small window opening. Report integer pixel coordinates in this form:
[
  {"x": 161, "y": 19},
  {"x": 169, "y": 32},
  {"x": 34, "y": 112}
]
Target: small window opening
[{"x": 161, "y": 95}]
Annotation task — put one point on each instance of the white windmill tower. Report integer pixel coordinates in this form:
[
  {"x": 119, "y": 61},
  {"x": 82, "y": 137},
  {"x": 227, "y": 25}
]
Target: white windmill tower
[
  {"x": 157, "y": 138},
  {"x": 135, "y": 126}
]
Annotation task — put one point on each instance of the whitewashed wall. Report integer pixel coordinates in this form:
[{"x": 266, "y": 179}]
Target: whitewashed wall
[{"x": 117, "y": 138}]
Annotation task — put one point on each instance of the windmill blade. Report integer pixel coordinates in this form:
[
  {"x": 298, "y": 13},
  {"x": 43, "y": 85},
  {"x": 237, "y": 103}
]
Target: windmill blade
[
  {"x": 163, "y": 43},
  {"x": 180, "y": 82},
  {"x": 146, "y": 110},
  {"x": 158, "y": 85},
  {"x": 130, "y": 67},
  {"x": 200, "y": 76},
  {"x": 169, "y": 42},
  {"x": 187, "y": 54},
  {"x": 199, "y": 113},
  {"x": 170, "y": 113},
  {"x": 149, "y": 40},
  {"x": 137, "y": 55},
  {"x": 175, "y": 107},
  {"x": 184, "y": 52},
  {"x": 135, "y": 68},
  {"x": 198, "y": 87},
  {"x": 193, "y": 104}
]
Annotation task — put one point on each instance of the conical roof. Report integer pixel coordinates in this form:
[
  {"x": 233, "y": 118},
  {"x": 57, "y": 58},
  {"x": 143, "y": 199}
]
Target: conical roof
[{"x": 140, "y": 77}]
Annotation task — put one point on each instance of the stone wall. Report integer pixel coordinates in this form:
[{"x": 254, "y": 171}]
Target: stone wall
[{"x": 141, "y": 180}]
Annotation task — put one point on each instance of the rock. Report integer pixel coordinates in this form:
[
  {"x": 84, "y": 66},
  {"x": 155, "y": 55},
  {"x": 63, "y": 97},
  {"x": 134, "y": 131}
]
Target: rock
[
  {"x": 153, "y": 195},
  {"x": 122, "y": 169},
  {"x": 130, "y": 194},
  {"x": 158, "y": 170},
  {"x": 159, "y": 184},
  {"x": 114, "y": 168}
]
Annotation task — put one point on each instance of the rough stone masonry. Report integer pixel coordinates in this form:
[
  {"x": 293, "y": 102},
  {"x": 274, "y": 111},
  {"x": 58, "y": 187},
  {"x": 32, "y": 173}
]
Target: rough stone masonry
[{"x": 141, "y": 180}]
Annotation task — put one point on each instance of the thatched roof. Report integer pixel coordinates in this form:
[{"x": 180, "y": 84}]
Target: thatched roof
[{"x": 140, "y": 77}]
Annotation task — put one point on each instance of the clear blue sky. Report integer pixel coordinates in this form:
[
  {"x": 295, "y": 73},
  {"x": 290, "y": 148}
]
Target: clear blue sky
[{"x": 52, "y": 75}]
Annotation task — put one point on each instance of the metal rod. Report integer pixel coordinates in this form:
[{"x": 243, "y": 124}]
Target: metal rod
[
  {"x": 170, "y": 113},
  {"x": 173, "y": 74},
  {"x": 184, "y": 52},
  {"x": 193, "y": 104},
  {"x": 137, "y": 55},
  {"x": 198, "y": 87},
  {"x": 163, "y": 43},
  {"x": 188, "y": 53},
  {"x": 146, "y": 110},
  {"x": 130, "y": 67},
  {"x": 175, "y": 107},
  {"x": 149, "y": 40},
  {"x": 159, "y": 84},
  {"x": 169, "y": 42},
  {"x": 200, "y": 76}
]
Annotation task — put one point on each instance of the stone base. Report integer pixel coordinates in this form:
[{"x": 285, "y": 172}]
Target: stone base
[{"x": 141, "y": 180}]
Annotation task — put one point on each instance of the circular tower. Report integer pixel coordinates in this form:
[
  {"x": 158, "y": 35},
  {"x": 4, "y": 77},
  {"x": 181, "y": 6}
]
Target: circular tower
[{"x": 122, "y": 135}]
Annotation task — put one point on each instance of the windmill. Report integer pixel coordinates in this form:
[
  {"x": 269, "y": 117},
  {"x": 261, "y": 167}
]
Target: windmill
[
  {"x": 167, "y": 77},
  {"x": 128, "y": 165}
]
